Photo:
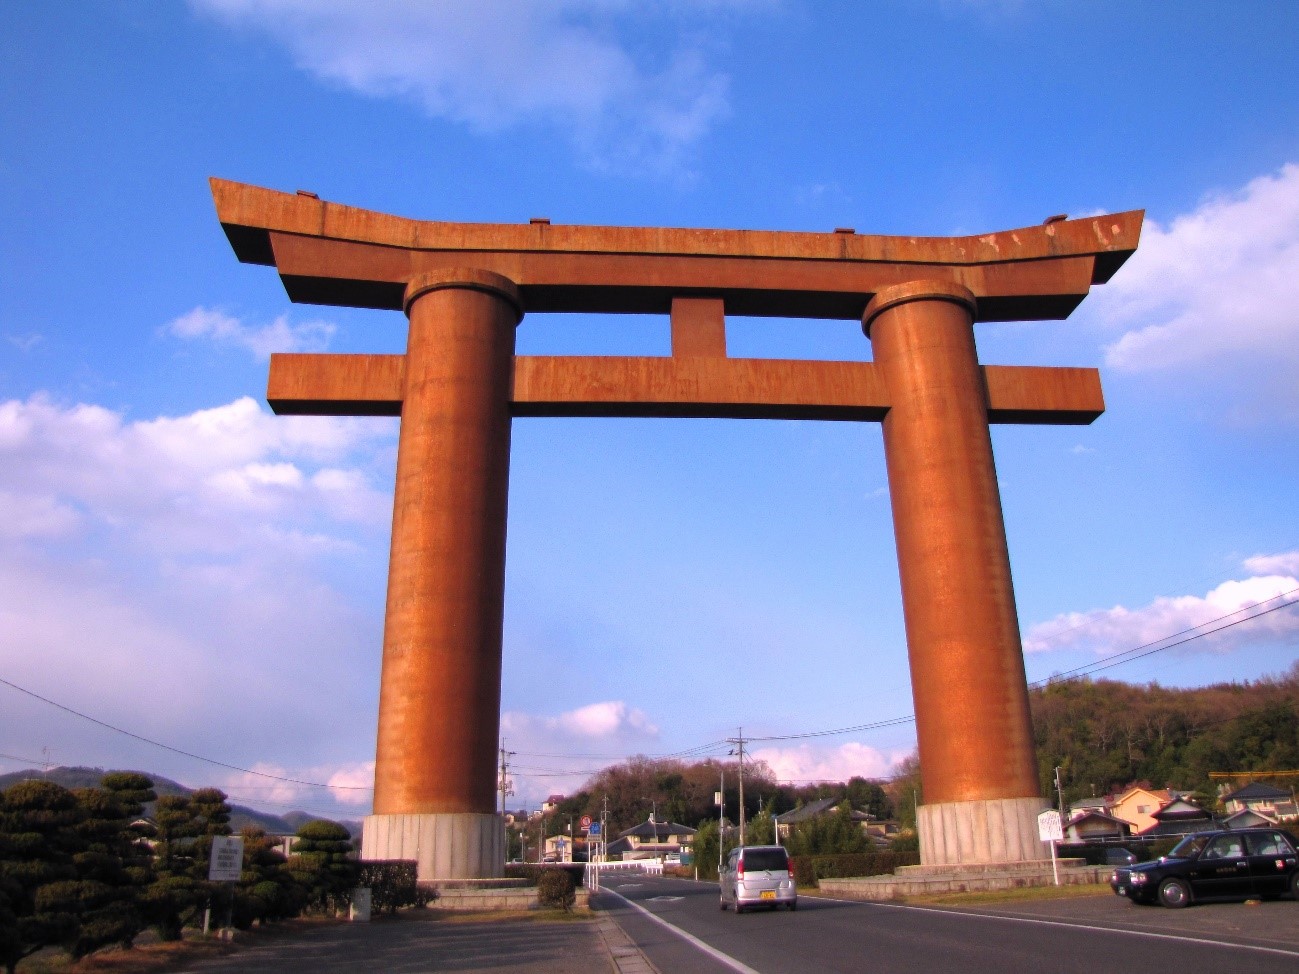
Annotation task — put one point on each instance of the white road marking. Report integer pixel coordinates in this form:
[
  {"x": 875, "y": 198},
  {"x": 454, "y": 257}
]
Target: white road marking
[
  {"x": 665, "y": 899},
  {"x": 1066, "y": 923},
  {"x": 711, "y": 951}
]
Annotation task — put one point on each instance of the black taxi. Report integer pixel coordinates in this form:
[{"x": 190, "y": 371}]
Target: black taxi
[{"x": 1241, "y": 864}]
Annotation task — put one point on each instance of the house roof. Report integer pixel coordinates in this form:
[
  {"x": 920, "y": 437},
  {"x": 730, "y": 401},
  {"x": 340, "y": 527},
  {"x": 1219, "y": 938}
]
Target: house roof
[
  {"x": 822, "y": 806},
  {"x": 1180, "y": 809},
  {"x": 1246, "y": 818},
  {"x": 1092, "y": 813},
  {"x": 657, "y": 831},
  {"x": 1256, "y": 791}
]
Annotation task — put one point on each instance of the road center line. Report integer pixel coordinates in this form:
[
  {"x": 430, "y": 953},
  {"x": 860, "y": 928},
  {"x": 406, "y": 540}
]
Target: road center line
[
  {"x": 711, "y": 951},
  {"x": 1070, "y": 925}
]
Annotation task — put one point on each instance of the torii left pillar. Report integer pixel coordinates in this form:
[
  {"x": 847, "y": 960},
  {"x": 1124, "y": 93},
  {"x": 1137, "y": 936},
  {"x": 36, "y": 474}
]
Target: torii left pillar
[{"x": 441, "y": 682}]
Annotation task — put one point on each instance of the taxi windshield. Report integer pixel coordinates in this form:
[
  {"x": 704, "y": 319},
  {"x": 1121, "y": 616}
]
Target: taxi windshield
[{"x": 1190, "y": 847}]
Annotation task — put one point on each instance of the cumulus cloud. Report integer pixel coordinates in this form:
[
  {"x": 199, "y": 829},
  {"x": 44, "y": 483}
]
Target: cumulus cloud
[
  {"x": 579, "y": 65},
  {"x": 813, "y": 762},
  {"x": 169, "y": 575},
  {"x": 351, "y": 786},
  {"x": 279, "y": 336},
  {"x": 1117, "y": 629},
  {"x": 1286, "y": 563},
  {"x": 1216, "y": 293},
  {"x": 554, "y": 753}
]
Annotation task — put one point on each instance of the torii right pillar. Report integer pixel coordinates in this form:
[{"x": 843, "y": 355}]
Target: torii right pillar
[{"x": 967, "y": 667}]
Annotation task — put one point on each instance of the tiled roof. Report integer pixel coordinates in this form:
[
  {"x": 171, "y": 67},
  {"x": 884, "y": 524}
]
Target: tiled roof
[
  {"x": 658, "y": 831},
  {"x": 821, "y": 806},
  {"x": 1256, "y": 791}
]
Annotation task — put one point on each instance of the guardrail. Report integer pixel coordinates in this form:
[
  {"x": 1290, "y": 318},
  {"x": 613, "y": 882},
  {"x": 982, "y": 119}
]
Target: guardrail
[{"x": 647, "y": 867}]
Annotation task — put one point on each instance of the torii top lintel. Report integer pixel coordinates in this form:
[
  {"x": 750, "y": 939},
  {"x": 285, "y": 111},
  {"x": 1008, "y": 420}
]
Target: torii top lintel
[
  {"x": 328, "y": 253},
  {"x": 340, "y": 255}
]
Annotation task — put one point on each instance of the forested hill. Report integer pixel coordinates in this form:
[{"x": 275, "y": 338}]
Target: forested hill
[{"x": 1105, "y": 734}]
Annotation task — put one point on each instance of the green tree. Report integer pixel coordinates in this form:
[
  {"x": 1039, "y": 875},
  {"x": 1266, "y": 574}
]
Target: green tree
[
  {"x": 267, "y": 890},
  {"x": 38, "y": 842},
  {"x": 322, "y": 860}
]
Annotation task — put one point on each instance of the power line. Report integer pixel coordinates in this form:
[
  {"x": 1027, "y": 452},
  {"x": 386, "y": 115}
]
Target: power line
[{"x": 176, "y": 750}]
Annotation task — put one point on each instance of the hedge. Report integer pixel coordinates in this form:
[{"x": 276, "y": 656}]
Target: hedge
[
  {"x": 532, "y": 871},
  {"x": 393, "y": 884},
  {"x": 809, "y": 870}
]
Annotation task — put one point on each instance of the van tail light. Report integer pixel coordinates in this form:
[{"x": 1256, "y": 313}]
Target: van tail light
[
  {"x": 739, "y": 869},
  {"x": 790, "y": 863}
]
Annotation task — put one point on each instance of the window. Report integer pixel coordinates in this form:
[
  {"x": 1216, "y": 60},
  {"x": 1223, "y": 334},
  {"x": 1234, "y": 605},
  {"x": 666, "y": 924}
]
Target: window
[
  {"x": 1225, "y": 847},
  {"x": 1270, "y": 844}
]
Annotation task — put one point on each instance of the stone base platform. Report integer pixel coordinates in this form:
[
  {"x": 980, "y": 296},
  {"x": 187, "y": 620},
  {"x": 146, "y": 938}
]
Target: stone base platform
[
  {"x": 446, "y": 846},
  {"x": 462, "y": 899},
  {"x": 965, "y": 878}
]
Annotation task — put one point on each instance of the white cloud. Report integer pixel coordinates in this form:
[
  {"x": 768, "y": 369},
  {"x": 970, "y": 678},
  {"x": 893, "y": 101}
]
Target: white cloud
[
  {"x": 279, "y": 336},
  {"x": 352, "y": 786},
  {"x": 146, "y": 563},
  {"x": 809, "y": 762},
  {"x": 1286, "y": 563},
  {"x": 581, "y": 65},
  {"x": 1117, "y": 629},
  {"x": 1216, "y": 294},
  {"x": 609, "y": 719}
]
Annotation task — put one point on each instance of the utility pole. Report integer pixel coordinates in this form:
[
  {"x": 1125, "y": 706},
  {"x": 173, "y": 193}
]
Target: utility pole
[
  {"x": 721, "y": 820},
  {"x": 739, "y": 750},
  {"x": 1059, "y": 790},
  {"x": 604, "y": 827},
  {"x": 505, "y": 786}
]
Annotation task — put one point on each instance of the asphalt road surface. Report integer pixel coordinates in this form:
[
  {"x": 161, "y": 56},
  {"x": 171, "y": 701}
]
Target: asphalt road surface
[{"x": 678, "y": 924}]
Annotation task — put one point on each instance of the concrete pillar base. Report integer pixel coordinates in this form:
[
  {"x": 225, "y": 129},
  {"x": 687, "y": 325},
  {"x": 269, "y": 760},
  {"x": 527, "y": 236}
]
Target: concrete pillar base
[
  {"x": 996, "y": 830},
  {"x": 460, "y": 845}
]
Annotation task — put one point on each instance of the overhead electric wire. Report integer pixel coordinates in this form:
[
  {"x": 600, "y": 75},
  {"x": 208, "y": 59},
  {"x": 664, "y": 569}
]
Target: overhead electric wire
[
  {"x": 1056, "y": 677},
  {"x": 177, "y": 750}
]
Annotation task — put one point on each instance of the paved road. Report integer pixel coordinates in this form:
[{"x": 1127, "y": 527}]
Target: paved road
[
  {"x": 835, "y": 936},
  {"x": 421, "y": 943}
]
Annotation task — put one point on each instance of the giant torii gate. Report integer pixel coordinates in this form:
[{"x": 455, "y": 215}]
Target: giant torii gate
[{"x": 466, "y": 286}]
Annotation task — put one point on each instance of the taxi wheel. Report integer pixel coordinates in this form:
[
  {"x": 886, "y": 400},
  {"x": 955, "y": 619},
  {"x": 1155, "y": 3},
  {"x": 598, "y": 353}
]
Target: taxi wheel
[
  {"x": 1174, "y": 893},
  {"x": 793, "y": 907},
  {"x": 722, "y": 904}
]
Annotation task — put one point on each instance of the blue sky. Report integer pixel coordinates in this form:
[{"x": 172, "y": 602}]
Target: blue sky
[{"x": 176, "y": 561}]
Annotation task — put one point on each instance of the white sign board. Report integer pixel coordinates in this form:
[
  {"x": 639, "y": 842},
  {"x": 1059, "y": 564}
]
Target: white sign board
[
  {"x": 1049, "y": 827},
  {"x": 227, "y": 859}
]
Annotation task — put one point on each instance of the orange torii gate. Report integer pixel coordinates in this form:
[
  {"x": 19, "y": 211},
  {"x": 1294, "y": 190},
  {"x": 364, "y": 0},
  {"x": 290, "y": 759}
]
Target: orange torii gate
[{"x": 465, "y": 287}]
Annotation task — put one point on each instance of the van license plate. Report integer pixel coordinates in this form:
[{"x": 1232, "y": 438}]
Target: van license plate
[{"x": 768, "y": 894}]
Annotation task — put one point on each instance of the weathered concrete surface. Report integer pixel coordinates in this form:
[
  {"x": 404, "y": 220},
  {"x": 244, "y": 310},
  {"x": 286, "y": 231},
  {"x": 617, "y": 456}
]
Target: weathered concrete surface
[{"x": 931, "y": 880}]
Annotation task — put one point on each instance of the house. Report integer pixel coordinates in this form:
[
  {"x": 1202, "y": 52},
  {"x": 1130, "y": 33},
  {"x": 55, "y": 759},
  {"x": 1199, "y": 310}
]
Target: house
[
  {"x": 1270, "y": 802},
  {"x": 562, "y": 847},
  {"x": 1247, "y": 819},
  {"x": 1137, "y": 806},
  {"x": 1094, "y": 825},
  {"x": 651, "y": 839},
  {"x": 550, "y": 804},
  {"x": 877, "y": 830},
  {"x": 1179, "y": 817}
]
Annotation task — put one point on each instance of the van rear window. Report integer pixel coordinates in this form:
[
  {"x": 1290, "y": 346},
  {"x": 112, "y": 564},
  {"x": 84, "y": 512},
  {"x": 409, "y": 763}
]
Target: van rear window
[{"x": 774, "y": 859}]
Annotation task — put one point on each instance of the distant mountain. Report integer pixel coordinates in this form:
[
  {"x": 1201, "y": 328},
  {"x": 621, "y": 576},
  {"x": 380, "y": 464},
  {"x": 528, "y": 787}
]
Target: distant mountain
[{"x": 240, "y": 815}]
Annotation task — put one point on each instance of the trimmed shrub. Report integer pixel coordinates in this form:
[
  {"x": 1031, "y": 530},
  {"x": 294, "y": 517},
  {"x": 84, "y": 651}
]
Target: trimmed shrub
[
  {"x": 393, "y": 884},
  {"x": 532, "y": 872},
  {"x": 809, "y": 870},
  {"x": 555, "y": 889}
]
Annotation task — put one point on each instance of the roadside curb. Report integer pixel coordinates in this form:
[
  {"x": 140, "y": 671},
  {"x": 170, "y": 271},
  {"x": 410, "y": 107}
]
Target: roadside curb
[{"x": 624, "y": 956}]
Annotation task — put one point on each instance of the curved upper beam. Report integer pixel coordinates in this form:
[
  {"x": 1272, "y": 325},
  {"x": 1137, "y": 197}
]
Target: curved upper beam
[{"x": 328, "y": 253}]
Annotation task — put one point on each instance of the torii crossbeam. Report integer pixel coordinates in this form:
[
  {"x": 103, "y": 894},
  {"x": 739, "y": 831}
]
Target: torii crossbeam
[{"x": 465, "y": 287}]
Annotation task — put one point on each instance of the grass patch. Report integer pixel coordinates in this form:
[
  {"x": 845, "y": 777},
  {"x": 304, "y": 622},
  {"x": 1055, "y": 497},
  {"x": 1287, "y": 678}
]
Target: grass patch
[{"x": 1023, "y": 894}]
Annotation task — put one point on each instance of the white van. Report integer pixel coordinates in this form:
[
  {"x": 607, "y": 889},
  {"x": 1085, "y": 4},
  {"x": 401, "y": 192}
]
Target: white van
[{"x": 758, "y": 875}]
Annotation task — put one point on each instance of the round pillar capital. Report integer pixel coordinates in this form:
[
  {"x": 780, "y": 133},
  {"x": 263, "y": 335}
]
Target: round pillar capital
[
  {"x": 930, "y": 290},
  {"x": 470, "y": 278}
]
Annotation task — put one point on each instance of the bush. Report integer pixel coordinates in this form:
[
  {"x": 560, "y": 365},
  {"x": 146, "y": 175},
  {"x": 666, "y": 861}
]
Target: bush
[
  {"x": 809, "y": 870},
  {"x": 533, "y": 872},
  {"x": 393, "y": 884},
  {"x": 555, "y": 889}
]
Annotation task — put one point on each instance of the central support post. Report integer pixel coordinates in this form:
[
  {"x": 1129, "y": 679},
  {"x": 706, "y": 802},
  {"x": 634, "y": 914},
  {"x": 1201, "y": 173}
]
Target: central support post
[
  {"x": 439, "y": 704},
  {"x": 967, "y": 666}
]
